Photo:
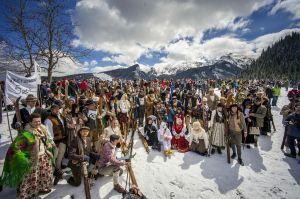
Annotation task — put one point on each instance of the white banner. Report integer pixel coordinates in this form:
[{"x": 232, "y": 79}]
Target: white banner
[{"x": 17, "y": 85}]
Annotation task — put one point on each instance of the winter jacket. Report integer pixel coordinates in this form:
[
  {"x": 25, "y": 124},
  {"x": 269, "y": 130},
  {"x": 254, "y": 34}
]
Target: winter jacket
[
  {"x": 260, "y": 115},
  {"x": 77, "y": 151},
  {"x": 108, "y": 156},
  {"x": 236, "y": 123},
  {"x": 293, "y": 93},
  {"x": 293, "y": 130},
  {"x": 276, "y": 91}
]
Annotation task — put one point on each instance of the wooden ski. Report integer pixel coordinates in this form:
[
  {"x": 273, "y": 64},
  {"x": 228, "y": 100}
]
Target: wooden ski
[
  {"x": 86, "y": 181},
  {"x": 144, "y": 141}
]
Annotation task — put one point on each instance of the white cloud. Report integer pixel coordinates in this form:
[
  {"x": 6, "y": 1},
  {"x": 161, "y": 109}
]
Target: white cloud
[
  {"x": 292, "y": 6},
  {"x": 66, "y": 66},
  {"x": 93, "y": 63},
  {"x": 217, "y": 47},
  {"x": 101, "y": 69},
  {"x": 129, "y": 28}
]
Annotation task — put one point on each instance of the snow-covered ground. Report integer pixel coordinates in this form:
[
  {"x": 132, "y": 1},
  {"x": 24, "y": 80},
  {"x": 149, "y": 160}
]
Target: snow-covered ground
[{"x": 267, "y": 173}]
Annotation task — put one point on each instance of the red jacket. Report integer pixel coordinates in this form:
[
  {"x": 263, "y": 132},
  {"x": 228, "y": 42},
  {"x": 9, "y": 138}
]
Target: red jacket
[
  {"x": 83, "y": 85},
  {"x": 292, "y": 93}
]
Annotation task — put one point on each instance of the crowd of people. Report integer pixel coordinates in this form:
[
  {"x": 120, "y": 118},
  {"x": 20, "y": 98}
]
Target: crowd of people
[{"x": 91, "y": 121}]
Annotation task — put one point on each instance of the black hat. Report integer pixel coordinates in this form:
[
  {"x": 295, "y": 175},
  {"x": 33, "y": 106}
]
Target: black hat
[
  {"x": 257, "y": 99},
  {"x": 59, "y": 103},
  {"x": 247, "y": 103},
  {"x": 89, "y": 102},
  {"x": 114, "y": 137},
  {"x": 233, "y": 105},
  {"x": 82, "y": 97},
  {"x": 53, "y": 106}
]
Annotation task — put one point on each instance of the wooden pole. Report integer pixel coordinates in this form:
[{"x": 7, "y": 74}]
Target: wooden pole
[{"x": 8, "y": 123}]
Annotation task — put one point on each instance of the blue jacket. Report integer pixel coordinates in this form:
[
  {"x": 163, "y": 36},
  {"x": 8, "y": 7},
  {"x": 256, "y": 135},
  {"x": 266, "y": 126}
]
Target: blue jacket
[
  {"x": 171, "y": 115},
  {"x": 293, "y": 130}
]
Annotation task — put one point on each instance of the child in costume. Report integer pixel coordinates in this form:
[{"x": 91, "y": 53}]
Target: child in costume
[{"x": 165, "y": 137}]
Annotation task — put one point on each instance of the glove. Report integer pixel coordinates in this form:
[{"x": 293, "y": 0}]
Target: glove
[
  {"x": 86, "y": 158},
  {"x": 97, "y": 157},
  {"x": 18, "y": 125}
]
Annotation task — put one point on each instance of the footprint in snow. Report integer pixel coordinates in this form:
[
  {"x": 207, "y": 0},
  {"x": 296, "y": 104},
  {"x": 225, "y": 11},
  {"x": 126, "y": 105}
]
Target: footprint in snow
[{"x": 240, "y": 194}]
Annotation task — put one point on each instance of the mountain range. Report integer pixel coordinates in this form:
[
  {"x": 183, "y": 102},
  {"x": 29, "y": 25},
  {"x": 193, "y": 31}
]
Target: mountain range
[{"x": 224, "y": 67}]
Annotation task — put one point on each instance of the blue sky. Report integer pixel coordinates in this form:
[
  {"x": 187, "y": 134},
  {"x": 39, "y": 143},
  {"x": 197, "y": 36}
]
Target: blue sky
[{"x": 156, "y": 33}]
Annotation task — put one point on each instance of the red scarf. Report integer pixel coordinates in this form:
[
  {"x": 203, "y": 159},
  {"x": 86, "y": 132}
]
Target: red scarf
[{"x": 176, "y": 127}]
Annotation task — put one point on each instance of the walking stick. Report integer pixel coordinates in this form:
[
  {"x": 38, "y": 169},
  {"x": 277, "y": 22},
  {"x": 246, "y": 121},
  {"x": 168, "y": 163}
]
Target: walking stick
[{"x": 86, "y": 181}]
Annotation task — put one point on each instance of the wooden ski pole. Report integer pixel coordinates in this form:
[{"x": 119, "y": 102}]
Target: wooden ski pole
[{"x": 8, "y": 123}]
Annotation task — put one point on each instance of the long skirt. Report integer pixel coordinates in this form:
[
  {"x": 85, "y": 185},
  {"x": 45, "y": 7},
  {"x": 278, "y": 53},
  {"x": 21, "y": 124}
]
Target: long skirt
[
  {"x": 40, "y": 178},
  {"x": 181, "y": 144},
  {"x": 218, "y": 135}
]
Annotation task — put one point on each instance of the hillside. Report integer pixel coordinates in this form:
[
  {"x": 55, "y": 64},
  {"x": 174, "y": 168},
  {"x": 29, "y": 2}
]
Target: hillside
[{"x": 281, "y": 60}]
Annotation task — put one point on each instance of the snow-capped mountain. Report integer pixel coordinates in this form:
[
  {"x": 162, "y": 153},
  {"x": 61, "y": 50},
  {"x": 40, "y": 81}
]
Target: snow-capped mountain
[
  {"x": 172, "y": 69},
  {"x": 225, "y": 66}
]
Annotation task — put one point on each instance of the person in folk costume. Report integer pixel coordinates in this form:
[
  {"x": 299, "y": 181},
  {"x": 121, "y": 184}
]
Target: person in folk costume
[
  {"x": 259, "y": 113},
  {"x": 189, "y": 103},
  {"x": 206, "y": 114},
  {"x": 218, "y": 128},
  {"x": 109, "y": 164},
  {"x": 179, "y": 141},
  {"x": 198, "y": 139},
  {"x": 93, "y": 121},
  {"x": 293, "y": 131},
  {"x": 249, "y": 100},
  {"x": 230, "y": 99},
  {"x": 26, "y": 112},
  {"x": 124, "y": 109},
  {"x": 236, "y": 125},
  {"x": 223, "y": 101},
  {"x": 165, "y": 137},
  {"x": 81, "y": 150},
  {"x": 170, "y": 116},
  {"x": 55, "y": 124},
  {"x": 141, "y": 105},
  {"x": 250, "y": 122},
  {"x": 150, "y": 132},
  {"x": 268, "y": 118},
  {"x": 160, "y": 112},
  {"x": 114, "y": 128},
  {"x": 212, "y": 99},
  {"x": 134, "y": 104},
  {"x": 149, "y": 103},
  {"x": 39, "y": 179}
]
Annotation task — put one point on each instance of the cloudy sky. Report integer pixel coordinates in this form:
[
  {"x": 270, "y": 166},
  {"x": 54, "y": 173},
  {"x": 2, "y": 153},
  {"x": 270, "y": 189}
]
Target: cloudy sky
[{"x": 154, "y": 32}]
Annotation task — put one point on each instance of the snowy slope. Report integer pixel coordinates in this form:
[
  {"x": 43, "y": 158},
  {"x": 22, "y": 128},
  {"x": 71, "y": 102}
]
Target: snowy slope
[
  {"x": 171, "y": 69},
  {"x": 267, "y": 173}
]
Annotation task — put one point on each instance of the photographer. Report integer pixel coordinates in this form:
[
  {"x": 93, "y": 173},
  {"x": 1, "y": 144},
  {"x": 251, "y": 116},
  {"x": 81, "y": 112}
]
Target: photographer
[{"x": 293, "y": 131}]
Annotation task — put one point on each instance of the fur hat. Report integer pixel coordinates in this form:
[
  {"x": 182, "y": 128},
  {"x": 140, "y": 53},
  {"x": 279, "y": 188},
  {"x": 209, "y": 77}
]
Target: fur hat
[
  {"x": 89, "y": 102},
  {"x": 196, "y": 126},
  {"x": 30, "y": 98}
]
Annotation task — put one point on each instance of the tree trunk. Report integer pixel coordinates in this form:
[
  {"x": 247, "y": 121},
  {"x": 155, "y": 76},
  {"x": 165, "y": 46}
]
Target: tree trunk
[{"x": 49, "y": 76}]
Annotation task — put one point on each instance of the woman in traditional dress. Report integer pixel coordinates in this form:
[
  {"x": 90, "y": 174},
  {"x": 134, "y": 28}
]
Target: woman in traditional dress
[
  {"x": 218, "y": 120},
  {"x": 40, "y": 178},
  {"x": 198, "y": 139},
  {"x": 179, "y": 141},
  {"x": 124, "y": 108}
]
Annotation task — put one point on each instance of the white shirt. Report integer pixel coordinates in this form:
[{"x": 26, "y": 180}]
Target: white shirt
[{"x": 49, "y": 127}]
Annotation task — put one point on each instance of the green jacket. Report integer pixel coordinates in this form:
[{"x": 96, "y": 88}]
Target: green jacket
[
  {"x": 276, "y": 91},
  {"x": 260, "y": 115}
]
